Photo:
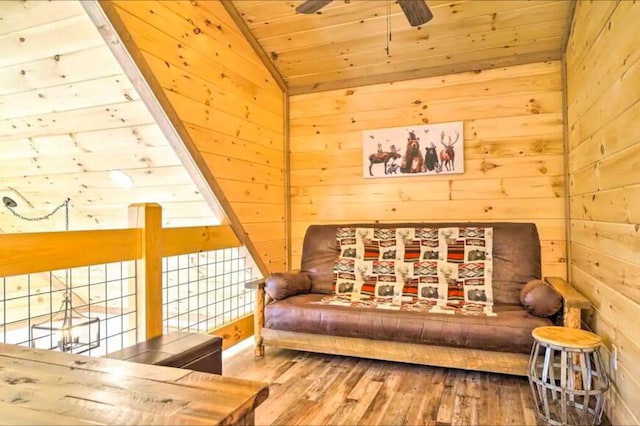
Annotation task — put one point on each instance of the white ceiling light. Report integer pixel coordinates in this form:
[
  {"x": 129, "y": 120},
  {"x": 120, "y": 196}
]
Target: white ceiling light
[{"x": 121, "y": 179}]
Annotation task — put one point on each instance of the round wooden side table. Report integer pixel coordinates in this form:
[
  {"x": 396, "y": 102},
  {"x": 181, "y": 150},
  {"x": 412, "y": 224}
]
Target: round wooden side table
[{"x": 567, "y": 376}]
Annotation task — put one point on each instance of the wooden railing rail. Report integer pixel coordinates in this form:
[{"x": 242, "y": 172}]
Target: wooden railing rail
[
  {"x": 49, "y": 251},
  {"x": 145, "y": 241},
  {"x": 29, "y": 253}
]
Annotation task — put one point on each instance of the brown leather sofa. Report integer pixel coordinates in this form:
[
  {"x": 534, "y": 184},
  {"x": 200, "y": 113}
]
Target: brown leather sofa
[{"x": 286, "y": 319}]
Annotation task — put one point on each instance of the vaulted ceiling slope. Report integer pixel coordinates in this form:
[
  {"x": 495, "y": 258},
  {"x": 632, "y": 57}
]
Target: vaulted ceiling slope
[
  {"x": 68, "y": 116},
  {"x": 345, "y": 43}
]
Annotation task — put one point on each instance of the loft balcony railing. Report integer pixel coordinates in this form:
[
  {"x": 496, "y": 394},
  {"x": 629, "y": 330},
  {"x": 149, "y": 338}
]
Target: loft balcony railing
[{"x": 138, "y": 283}]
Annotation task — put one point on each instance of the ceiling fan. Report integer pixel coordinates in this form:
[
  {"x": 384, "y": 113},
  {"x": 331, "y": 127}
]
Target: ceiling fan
[{"x": 416, "y": 11}]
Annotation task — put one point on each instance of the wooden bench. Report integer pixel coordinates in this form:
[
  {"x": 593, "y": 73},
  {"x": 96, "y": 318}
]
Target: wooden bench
[{"x": 198, "y": 352}]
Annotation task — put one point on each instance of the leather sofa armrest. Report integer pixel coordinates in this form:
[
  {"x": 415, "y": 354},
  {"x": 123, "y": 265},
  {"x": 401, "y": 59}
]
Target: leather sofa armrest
[
  {"x": 573, "y": 301},
  {"x": 285, "y": 284}
]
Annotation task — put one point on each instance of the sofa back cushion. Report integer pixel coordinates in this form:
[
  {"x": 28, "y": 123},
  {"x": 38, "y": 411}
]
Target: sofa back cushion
[{"x": 516, "y": 255}]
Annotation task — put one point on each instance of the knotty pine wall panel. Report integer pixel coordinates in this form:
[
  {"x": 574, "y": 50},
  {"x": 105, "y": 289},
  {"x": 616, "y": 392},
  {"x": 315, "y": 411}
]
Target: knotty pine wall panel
[
  {"x": 603, "y": 89},
  {"x": 229, "y": 103},
  {"x": 513, "y": 133}
]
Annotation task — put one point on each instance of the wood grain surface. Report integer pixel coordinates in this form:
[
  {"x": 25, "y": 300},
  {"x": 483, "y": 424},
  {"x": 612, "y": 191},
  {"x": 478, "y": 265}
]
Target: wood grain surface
[
  {"x": 226, "y": 105},
  {"x": 44, "y": 387},
  {"x": 567, "y": 337},
  {"x": 316, "y": 389},
  {"x": 603, "y": 88},
  {"x": 513, "y": 154},
  {"x": 344, "y": 44}
]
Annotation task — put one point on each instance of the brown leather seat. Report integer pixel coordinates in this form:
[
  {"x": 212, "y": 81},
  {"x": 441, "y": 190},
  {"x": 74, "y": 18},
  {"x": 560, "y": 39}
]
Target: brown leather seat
[{"x": 509, "y": 331}]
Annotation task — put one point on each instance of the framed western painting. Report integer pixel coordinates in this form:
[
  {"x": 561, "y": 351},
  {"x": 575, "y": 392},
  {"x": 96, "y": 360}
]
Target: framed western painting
[{"x": 413, "y": 150}]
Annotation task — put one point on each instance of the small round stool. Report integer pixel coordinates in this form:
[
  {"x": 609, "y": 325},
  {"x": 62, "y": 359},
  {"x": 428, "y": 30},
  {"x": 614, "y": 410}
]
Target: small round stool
[{"x": 567, "y": 376}]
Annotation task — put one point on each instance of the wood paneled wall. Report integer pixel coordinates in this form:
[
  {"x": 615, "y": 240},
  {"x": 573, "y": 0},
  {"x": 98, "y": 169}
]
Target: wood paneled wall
[
  {"x": 513, "y": 131},
  {"x": 232, "y": 108},
  {"x": 603, "y": 68}
]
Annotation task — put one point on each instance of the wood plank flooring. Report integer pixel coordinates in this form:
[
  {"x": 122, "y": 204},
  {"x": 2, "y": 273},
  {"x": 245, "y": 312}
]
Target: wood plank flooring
[{"x": 316, "y": 389}]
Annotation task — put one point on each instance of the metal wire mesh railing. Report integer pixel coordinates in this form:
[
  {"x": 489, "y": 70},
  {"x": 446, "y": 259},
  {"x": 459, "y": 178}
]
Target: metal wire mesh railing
[
  {"x": 204, "y": 291},
  {"x": 90, "y": 309}
]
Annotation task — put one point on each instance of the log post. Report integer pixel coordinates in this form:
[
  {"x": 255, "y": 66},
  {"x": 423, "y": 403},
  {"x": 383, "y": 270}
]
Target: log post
[
  {"x": 148, "y": 218},
  {"x": 258, "y": 350},
  {"x": 258, "y": 315},
  {"x": 573, "y": 301}
]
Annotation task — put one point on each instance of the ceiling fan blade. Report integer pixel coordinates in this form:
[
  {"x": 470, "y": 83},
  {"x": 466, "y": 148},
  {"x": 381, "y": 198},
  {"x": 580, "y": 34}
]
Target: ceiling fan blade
[
  {"x": 312, "y": 6},
  {"x": 416, "y": 11}
]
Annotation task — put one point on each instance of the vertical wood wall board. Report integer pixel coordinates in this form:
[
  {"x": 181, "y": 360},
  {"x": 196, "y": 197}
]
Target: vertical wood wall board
[
  {"x": 194, "y": 87},
  {"x": 610, "y": 305},
  {"x": 441, "y": 82},
  {"x": 265, "y": 231},
  {"x": 217, "y": 143},
  {"x": 614, "y": 39},
  {"x": 436, "y": 89},
  {"x": 242, "y": 170},
  {"x": 260, "y": 212},
  {"x": 588, "y": 21},
  {"x": 221, "y": 84},
  {"x": 603, "y": 88},
  {"x": 494, "y": 127},
  {"x": 549, "y": 229},
  {"x": 621, "y": 95},
  {"x": 477, "y": 148},
  {"x": 623, "y": 276},
  {"x": 489, "y": 168},
  {"x": 514, "y": 170},
  {"x": 249, "y": 192},
  {"x": 217, "y": 119},
  {"x": 616, "y": 170},
  {"x": 617, "y": 239},
  {"x": 177, "y": 41},
  {"x": 454, "y": 210},
  {"x": 199, "y": 41},
  {"x": 170, "y": 49},
  {"x": 620, "y": 205},
  {"x": 197, "y": 20},
  {"x": 437, "y": 112},
  {"x": 617, "y": 135}
]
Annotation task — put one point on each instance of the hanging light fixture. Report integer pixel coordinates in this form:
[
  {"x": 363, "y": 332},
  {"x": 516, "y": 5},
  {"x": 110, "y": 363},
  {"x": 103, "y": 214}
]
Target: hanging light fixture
[{"x": 67, "y": 329}]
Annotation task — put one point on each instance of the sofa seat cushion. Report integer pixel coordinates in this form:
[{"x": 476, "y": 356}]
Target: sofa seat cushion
[{"x": 509, "y": 331}]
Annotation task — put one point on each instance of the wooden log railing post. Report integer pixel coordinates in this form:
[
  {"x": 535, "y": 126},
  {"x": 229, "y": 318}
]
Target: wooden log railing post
[
  {"x": 148, "y": 218},
  {"x": 258, "y": 314}
]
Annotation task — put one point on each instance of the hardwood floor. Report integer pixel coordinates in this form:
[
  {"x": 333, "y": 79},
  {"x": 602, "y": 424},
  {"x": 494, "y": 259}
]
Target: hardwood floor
[{"x": 316, "y": 389}]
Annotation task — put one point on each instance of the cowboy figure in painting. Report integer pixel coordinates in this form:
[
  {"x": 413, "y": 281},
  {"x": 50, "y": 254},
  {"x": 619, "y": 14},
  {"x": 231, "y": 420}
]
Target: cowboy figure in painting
[
  {"x": 412, "y": 161},
  {"x": 383, "y": 157}
]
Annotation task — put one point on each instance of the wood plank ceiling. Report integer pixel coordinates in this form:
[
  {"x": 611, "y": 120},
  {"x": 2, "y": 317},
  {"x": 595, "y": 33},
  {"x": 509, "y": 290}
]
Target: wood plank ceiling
[
  {"x": 344, "y": 44},
  {"x": 68, "y": 116}
]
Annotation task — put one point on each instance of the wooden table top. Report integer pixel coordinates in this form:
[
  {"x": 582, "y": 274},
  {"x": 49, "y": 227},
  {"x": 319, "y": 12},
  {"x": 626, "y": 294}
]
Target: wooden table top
[
  {"x": 45, "y": 387},
  {"x": 573, "y": 338}
]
